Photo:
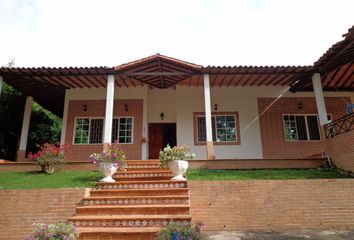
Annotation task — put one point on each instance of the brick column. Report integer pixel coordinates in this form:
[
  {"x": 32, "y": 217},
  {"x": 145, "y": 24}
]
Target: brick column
[
  {"x": 21, "y": 153},
  {"x": 209, "y": 133}
]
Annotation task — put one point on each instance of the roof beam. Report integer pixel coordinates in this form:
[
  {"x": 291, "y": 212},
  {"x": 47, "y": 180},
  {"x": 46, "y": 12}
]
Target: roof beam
[{"x": 344, "y": 73}]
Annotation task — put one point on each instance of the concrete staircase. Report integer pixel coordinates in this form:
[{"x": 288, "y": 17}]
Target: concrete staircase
[{"x": 141, "y": 201}]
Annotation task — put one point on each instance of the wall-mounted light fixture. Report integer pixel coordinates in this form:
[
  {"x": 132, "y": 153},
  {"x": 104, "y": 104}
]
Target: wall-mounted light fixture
[
  {"x": 300, "y": 105},
  {"x": 84, "y": 107},
  {"x": 126, "y": 107},
  {"x": 215, "y": 107},
  {"x": 162, "y": 116}
]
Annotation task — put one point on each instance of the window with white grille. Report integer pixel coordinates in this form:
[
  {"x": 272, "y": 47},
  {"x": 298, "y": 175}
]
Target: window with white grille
[
  {"x": 88, "y": 131},
  {"x": 122, "y": 130}
]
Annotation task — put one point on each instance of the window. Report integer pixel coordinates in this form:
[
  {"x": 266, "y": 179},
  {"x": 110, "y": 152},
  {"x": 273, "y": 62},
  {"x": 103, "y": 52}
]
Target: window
[
  {"x": 122, "y": 130},
  {"x": 88, "y": 130},
  {"x": 223, "y": 128},
  {"x": 301, "y": 128}
]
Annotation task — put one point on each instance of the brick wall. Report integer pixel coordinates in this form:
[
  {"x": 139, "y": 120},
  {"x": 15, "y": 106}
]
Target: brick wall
[
  {"x": 274, "y": 144},
  {"x": 341, "y": 150},
  {"x": 96, "y": 108},
  {"x": 245, "y": 205},
  {"x": 21, "y": 208},
  {"x": 274, "y": 204}
]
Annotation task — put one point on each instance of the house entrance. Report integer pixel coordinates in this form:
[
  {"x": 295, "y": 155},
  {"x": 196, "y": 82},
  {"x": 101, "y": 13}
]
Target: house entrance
[{"x": 161, "y": 134}]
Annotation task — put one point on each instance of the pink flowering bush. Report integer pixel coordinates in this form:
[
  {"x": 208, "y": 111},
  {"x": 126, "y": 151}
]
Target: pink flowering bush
[
  {"x": 60, "y": 231},
  {"x": 112, "y": 154},
  {"x": 48, "y": 156}
]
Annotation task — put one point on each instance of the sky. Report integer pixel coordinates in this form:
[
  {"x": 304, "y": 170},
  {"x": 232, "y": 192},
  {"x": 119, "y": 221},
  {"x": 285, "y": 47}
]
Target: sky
[{"x": 55, "y": 33}]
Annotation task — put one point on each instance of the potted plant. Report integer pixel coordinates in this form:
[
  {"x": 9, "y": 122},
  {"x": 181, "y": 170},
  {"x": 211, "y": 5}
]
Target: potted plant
[
  {"x": 175, "y": 158},
  {"x": 181, "y": 231},
  {"x": 54, "y": 232},
  {"x": 48, "y": 156},
  {"x": 109, "y": 161}
]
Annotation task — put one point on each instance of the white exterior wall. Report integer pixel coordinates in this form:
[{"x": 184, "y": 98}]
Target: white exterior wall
[
  {"x": 179, "y": 104},
  {"x": 162, "y": 100}
]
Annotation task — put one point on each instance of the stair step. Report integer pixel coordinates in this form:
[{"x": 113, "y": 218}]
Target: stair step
[
  {"x": 142, "y": 184},
  {"x": 118, "y": 230},
  {"x": 156, "y": 209},
  {"x": 140, "y": 192},
  {"x": 143, "y": 175},
  {"x": 126, "y": 220},
  {"x": 147, "y": 162},
  {"x": 118, "y": 233},
  {"x": 135, "y": 200}
]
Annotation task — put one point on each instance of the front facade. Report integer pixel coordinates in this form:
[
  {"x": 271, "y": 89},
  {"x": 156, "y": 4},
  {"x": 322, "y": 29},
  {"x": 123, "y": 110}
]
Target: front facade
[
  {"x": 146, "y": 119},
  {"x": 221, "y": 112}
]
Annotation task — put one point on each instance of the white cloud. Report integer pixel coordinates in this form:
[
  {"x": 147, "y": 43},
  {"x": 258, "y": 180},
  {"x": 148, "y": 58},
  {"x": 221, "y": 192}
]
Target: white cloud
[{"x": 227, "y": 32}]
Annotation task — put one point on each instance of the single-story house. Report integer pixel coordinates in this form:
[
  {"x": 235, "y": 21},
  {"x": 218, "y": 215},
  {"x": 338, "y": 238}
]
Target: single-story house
[{"x": 221, "y": 112}]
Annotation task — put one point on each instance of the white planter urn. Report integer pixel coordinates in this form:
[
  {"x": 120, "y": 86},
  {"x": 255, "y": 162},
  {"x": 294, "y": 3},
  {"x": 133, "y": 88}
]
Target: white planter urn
[
  {"x": 178, "y": 168},
  {"x": 107, "y": 169}
]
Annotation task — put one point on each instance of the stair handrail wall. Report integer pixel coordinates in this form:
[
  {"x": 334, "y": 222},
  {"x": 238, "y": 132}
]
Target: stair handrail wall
[{"x": 339, "y": 126}]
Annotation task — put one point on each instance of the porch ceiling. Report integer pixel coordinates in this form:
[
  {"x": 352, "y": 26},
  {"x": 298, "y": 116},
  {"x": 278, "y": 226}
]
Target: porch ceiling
[
  {"x": 158, "y": 71},
  {"x": 47, "y": 85}
]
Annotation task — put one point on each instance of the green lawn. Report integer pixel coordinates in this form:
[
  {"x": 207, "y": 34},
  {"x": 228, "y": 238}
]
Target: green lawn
[
  {"x": 205, "y": 174},
  {"x": 71, "y": 179},
  {"x": 62, "y": 179}
]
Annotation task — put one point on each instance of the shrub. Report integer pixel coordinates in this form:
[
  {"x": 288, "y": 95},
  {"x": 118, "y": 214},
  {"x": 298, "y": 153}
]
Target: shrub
[
  {"x": 59, "y": 231},
  {"x": 48, "y": 156},
  {"x": 181, "y": 231}
]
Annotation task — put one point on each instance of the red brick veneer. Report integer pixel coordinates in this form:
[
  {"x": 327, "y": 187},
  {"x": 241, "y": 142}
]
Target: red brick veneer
[
  {"x": 274, "y": 144},
  {"x": 341, "y": 150},
  {"x": 96, "y": 108}
]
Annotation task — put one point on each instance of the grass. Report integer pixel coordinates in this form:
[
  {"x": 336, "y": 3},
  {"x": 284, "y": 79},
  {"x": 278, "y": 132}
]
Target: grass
[
  {"x": 319, "y": 173},
  {"x": 62, "y": 179},
  {"x": 72, "y": 179}
]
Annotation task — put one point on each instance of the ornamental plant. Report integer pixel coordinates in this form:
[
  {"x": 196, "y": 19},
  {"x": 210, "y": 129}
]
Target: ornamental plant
[
  {"x": 112, "y": 154},
  {"x": 48, "y": 156},
  {"x": 59, "y": 231},
  {"x": 181, "y": 231},
  {"x": 176, "y": 153}
]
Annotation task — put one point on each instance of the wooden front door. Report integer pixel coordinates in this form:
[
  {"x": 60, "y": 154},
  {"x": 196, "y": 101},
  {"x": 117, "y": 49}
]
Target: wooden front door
[{"x": 161, "y": 134}]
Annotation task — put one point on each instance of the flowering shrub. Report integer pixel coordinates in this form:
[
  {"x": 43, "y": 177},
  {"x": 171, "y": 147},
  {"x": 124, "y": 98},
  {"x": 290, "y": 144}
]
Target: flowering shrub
[
  {"x": 181, "y": 231},
  {"x": 60, "y": 231},
  {"x": 48, "y": 156},
  {"x": 176, "y": 153},
  {"x": 113, "y": 154}
]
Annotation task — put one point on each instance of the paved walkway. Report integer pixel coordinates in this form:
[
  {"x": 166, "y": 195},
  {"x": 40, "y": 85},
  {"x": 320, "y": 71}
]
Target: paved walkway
[{"x": 283, "y": 235}]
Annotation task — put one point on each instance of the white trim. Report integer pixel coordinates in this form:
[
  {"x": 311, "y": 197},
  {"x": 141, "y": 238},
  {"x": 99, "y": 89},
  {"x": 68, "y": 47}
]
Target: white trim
[
  {"x": 26, "y": 123},
  {"x": 133, "y": 124},
  {"x": 89, "y": 131},
  {"x": 108, "y": 120},
  {"x": 215, "y": 127},
  {"x": 65, "y": 120},
  {"x": 306, "y": 125}
]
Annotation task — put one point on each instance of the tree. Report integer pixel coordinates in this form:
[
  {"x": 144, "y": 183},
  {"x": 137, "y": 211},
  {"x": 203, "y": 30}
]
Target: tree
[{"x": 44, "y": 125}]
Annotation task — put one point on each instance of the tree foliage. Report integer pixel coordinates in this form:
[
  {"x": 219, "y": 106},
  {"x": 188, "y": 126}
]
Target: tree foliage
[{"x": 44, "y": 126}]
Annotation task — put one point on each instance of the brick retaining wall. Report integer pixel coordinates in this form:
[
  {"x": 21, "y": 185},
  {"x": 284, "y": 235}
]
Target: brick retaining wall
[
  {"x": 341, "y": 150},
  {"x": 19, "y": 209},
  {"x": 273, "y": 204},
  {"x": 245, "y": 205}
]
